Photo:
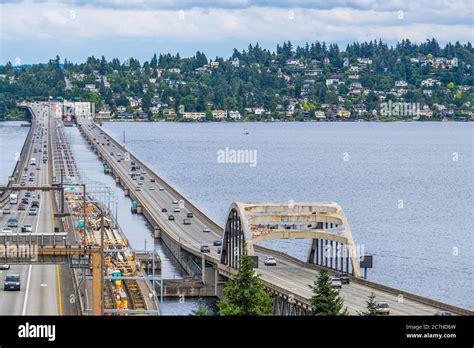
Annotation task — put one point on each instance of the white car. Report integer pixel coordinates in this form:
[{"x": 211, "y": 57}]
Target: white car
[
  {"x": 336, "y": 283},
  {"x": 27, "y": 228},
  {"x": 177, "y": 210},
  {"x": 382, "y": 307},
  {"x": 270, "y": 261},
  {"x": 161, "y": 188},
  {"x": 7, "y": 230}
]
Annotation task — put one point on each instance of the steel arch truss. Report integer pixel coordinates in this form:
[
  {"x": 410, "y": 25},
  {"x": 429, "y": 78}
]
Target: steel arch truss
[{"x": 324, "y": 223}]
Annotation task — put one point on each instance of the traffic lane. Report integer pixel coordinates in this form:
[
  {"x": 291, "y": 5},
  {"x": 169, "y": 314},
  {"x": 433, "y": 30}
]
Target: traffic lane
[
  {"x": 12, "y": 302},
  {"x": 355, "y": 295},
  {"x": 43, "y": 291}
]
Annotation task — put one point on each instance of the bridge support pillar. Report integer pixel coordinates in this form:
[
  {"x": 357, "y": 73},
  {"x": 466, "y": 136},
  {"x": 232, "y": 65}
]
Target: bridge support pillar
[
  {"x": 139, "y": 209},
  {"x": 126, "y": 193},
  {"x": 157, "y": 232},
  {"x": 312, "y": 250},
  {"x": 117, "y": 180}
]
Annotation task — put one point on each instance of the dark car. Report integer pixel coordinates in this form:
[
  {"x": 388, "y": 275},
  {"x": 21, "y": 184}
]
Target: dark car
[
  {"x": 205, "y": 249},
  {"x": 28, "y": 194},
  {"x": 35, "y": 204},
  {"x": 25, "y": 200},
  {"x": 4, "y": 267},
  {"x": 164, "y": 210},
  {"x": 217, "y": 242},
  {"x": 171, "y": 217},
  {"x": 443, "y": 314},
  {"x": 344, "y": 277},
  {"x": 12, "y": 223},
  {"x": 189, "y": 215},
  {"x": 12, "y": 282}
]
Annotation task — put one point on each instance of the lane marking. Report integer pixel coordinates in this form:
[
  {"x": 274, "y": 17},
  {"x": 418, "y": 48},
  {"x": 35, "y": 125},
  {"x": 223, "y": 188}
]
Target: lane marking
[
  {"x": 60, "y": 300},
  {"x": 27, "y": 290}
]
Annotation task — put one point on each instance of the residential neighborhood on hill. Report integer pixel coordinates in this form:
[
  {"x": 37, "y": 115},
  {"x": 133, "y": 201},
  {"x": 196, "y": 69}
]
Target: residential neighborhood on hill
[{"x": 366, "y": 81}]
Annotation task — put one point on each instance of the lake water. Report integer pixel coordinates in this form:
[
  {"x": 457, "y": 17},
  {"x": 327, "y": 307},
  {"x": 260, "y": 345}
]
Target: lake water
[{"x": 405, "y": 187}]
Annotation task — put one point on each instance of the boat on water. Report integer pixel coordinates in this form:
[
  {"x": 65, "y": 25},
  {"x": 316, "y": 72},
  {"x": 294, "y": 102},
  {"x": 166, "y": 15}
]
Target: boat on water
[{"x": 246, "y": 131}]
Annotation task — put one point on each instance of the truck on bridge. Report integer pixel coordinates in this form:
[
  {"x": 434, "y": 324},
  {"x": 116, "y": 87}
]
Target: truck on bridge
[{"x": 13, "y": 198}]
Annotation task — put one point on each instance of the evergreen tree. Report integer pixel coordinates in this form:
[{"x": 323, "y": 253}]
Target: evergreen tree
[
  {"x": 326, "y": 299},
  {"x": 244, "y": 294},
  {"x": 202, "y": 309},
  {"x": 371, "y": 306}
]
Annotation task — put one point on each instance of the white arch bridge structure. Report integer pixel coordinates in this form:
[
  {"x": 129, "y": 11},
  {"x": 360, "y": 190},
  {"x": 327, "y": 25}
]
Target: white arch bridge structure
[{"x": 324, "y": 223}]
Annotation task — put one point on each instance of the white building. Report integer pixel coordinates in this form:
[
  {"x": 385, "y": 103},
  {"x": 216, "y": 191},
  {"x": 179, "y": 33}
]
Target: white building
[
  {"x": 235, "y": 115},
  {"x": 194, "y": 116}
]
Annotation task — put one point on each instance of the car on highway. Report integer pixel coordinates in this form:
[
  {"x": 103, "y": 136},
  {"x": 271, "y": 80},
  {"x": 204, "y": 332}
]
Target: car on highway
[
  {"x": 22, "y": 206},
  {"x": 12, "y": 223},
  {"x": 7, "y": 230},
  {"x": 175, "y": 201},
  {"x": 382, "y": 307},
  {"x": 336, "y": 283},
  {"x": 270, "y": 261},
  {"x": 6, "y": 211},
  {"x": 177, "y": 210},
  {"x": 443, "y": 314},
  {"x": 35, "y": 204},
  {"x": 12, "y": 282},
  {"x": 4, "y": 267},
  {"x": 27, "y": 194},
  {"x": 219, "y": 250},
  {"x": 33, "y": 211},
  {"x": 205, "y": 249},
  {"x": 186, "y": 222},
  {"x": 27, "y": 228},
  {"x": 217, "y": 242},
  {"x": 25, "y": 200},
  {"x": 206, "y": 230},
  {"x": 189, "y": 215},
  {"x": 164, "y": 210},
  {"x": 171, "y": 217},
  {"x": 344, "y": 277},
  {"x": 138, "y": 188},
  {"x": 152, "y": 180},
  {"x": 161, "y": 188}
]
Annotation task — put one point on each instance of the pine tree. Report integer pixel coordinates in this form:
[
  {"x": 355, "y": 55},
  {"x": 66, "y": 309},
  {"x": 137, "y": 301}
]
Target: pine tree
[
  {"x": 326, "y": 299},
  {"x": 202, "y": 309},
  {"x": 371, "y": 306},
  {"x": 244, "y": 294}
]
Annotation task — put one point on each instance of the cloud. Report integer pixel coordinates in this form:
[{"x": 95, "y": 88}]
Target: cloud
[{"x": 183, "y": 22}]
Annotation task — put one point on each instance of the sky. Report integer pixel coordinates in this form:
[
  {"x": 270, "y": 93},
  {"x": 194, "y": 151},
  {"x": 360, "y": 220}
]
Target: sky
[{"x": 35, "y": 31}]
